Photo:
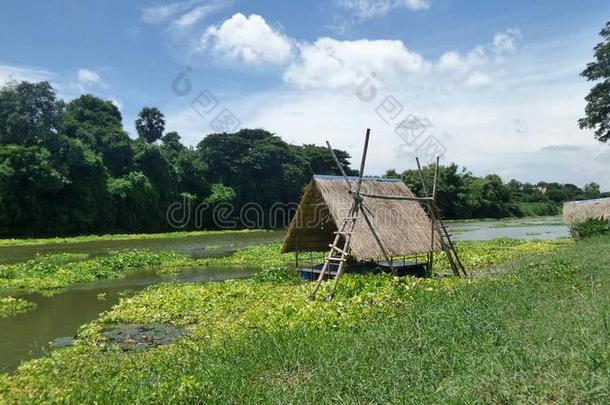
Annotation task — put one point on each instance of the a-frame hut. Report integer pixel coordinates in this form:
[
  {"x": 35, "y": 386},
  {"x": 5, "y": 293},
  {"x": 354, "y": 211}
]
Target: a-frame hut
[{"x": 400, "y": 227}]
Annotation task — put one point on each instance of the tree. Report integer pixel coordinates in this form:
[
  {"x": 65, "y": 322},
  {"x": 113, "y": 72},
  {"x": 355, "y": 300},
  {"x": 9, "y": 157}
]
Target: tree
[
  {"x": 597, "y": 111},
  {"x": 150, "y": 161},
  {"x": 29, "y": 114},
  {"x": 171, "y": 143},
  {"x": 322, "y": 162},
  {"x": 136, "y": 202},
  {"x": 591, "y": 190},
  {"x": 27, "y": 179},
  {"x": 150, "y": 124},
  {"x": 260, "y": 167},
  {"x": 98, "y": 125}
]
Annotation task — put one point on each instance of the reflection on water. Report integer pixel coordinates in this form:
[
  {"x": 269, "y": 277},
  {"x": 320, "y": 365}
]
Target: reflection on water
[{"x": 27, "y": 335}]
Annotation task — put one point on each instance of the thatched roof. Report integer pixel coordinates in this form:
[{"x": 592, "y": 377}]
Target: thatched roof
[
  {"x": 578, "y": 211},
  {"x": 402, "y": 226}
]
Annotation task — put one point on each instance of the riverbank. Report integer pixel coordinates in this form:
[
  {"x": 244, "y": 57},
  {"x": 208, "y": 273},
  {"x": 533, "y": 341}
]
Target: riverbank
[{"x": 539, "y": 326}]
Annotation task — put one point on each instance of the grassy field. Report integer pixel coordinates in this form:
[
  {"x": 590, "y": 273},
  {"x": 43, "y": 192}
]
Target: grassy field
[{"x": 535, "y": 333}]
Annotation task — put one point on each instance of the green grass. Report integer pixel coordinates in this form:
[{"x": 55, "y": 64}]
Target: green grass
[{"x": 536, "y": 333}]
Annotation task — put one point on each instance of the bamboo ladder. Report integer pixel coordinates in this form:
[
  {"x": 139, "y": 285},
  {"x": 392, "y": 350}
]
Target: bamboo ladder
[{"x": 338, "y": 254}]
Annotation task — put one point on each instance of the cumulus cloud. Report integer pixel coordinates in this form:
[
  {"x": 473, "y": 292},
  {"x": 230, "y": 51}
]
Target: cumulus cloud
[
  {"x": 332, "y": 63},
  {"x": 365, "y": 9},
  {"x": 248, "y": 39},
  {"x": 88, "y": 77},
  {"x": 476, "y": 68}
]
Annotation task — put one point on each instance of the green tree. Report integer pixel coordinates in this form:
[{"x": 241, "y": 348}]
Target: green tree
[
  {"x": 150, "y": 161},
  {"x": 136, "y": 202},
  {"x": 29, "y": 114},
  {"x": 321, "y": 161},
  {"x": 98, "y": 124},
  {"x": 150, "y": 124},
  {"x": 591, "y": 190},
  {"x": 27, "y": 179},
  {"x": 171, "y": 145},
  {"x": 597, "y": 111}
]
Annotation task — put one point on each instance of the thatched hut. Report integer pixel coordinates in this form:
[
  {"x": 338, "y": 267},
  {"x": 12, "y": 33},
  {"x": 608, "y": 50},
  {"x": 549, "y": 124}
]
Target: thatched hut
[
  {"x": 402, "y": 227},
  {"x": 575, "y": 212}
]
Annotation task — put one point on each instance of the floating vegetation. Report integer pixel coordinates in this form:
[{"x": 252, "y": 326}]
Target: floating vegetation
[{"x": 11, "y": 306}]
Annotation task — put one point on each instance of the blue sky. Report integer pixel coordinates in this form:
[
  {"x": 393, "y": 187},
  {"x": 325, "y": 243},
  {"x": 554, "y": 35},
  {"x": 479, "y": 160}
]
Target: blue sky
[{"x": 496, "y": 82}]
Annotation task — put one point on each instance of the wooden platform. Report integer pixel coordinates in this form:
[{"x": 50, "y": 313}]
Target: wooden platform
[{"x": 401, "y": 268}]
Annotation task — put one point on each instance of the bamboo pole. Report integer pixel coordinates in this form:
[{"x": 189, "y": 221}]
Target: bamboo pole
[
  {"x": 396, "y": 197},
  {"x": 421, "y": 177},
  {"x": 336, "y": 159},
  {"x": 432, "y": 225},
  {"x": 363, "y": 160}
]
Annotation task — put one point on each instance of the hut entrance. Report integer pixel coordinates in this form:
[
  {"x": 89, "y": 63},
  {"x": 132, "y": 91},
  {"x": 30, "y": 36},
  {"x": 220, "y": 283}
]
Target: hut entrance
[{"x": 366, "y": 225}]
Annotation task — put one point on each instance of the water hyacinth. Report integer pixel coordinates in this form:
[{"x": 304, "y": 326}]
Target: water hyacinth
[{"x": 12, "y": 306}]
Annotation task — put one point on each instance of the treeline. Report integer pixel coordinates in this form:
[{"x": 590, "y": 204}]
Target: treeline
[
  {"x": 460, "y": 194},
  {"x": 70, "y": 168}
]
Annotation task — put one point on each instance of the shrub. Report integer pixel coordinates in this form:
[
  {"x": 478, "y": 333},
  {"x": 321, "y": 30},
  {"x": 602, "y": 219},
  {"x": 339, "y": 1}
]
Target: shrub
[{"x": 590, "y": 227}]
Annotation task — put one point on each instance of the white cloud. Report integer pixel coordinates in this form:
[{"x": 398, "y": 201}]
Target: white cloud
[
  {"x": 158, "y": 14},
  {"x": 26, "y": 73},
  {"x": 182, "y": 15},
  {"x": 505, "y": 42},
  {"x": 330, "y": 63},
  {"x": 193, "y": 16},
  {"x": 248, "y": 39},
  {"x": 88, "y": 77},
  {"x": 365, "y": 9},
  {"x": 476, "y": 80}
]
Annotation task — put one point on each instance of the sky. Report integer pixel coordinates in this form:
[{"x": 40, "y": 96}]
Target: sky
[{"x": 493, "y": 86}]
